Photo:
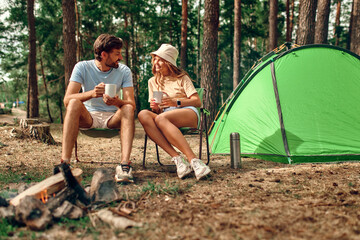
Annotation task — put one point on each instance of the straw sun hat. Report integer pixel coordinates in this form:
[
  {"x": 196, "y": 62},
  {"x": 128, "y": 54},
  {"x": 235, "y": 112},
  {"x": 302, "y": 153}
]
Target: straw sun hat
[{"x": 167, "y": 52}]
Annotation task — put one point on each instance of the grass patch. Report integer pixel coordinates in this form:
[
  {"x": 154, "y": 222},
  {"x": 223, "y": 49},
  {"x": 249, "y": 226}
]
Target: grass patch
[
  {"x": 6, "y": 229},
  {"x": 82, "y": 224},
  {"x": 166, "y": 189}
]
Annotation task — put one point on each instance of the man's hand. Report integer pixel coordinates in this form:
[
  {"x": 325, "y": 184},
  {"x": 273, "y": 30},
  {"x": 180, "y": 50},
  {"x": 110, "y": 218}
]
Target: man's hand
[
  {"x": 99, "y": 90},
  {"x": 111, "y": 101}
]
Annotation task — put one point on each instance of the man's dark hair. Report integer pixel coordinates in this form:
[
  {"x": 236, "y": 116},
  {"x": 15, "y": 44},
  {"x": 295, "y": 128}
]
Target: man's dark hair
[{"x": 106, "y": 42}]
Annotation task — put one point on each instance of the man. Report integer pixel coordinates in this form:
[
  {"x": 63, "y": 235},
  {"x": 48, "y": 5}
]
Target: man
[{"x": 93, "y": 109}]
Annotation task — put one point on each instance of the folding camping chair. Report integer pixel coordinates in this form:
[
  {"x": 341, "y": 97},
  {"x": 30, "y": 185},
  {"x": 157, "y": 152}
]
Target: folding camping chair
[
  {"x": 98, "y": 133},
  {"x": 187, "y": 131}
]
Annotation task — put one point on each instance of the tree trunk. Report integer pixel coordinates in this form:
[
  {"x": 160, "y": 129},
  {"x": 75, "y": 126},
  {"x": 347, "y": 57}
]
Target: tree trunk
[
  {"x": 45, "y": 85},
  {"x": 322, "y": 22},
  {"x": 134, "y": 67},
  {"x": 337, "y": 23},
  {"x": 33, "y": 101},
  {"x": 355, "y": 28},
  {"x": 183, "y": 49},
  {"x": 237, "y": 43},
  {"x": 306, "y": 31},
  {"x": 273, "y": 8},
  {"x": 288, "y": 33},
  {"x": 78, "y": 35},
  {"x": 198, "y": 44},
  {"x": 68, "y": 7},
  {"x": 126, "y": 42},
  {"x": 209, "y": 55},
  {"x": 292, "y": 14}
]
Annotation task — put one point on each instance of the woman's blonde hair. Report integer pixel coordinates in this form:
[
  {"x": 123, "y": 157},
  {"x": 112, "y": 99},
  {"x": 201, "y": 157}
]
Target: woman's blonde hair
[{"x": 174, "y": 71}]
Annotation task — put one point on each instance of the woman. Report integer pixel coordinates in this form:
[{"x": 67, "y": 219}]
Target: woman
[{"x": 177, "y": 109}]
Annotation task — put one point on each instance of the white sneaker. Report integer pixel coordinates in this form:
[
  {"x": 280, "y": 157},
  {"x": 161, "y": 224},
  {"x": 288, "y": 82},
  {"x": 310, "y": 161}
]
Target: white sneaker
[
  {"x": 124, "y": 173},
  {"x": 183, "y": 167},
  {"x": 200, "y": 168}
]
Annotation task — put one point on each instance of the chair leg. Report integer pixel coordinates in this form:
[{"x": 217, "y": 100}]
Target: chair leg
[
  {"x": 144, "y": 156},
  {"x": 76, "y": 155},
  {"x": 207, "y": 142},
  {"x": 157, "y": 154}
]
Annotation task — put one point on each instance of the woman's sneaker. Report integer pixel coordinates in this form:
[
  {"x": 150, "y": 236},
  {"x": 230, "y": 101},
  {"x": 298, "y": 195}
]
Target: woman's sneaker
[
  {"x": 124, "y": 173},
  {"x": 183, "y": 167},
  {"x": 200, "y": 168}
]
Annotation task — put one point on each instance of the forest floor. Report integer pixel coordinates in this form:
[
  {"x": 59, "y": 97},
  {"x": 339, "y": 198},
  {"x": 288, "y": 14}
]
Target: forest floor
[{"x": 262, "y": 200}]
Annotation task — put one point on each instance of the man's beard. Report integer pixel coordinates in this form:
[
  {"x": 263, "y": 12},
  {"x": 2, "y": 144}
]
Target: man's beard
[{"x": 112, "y": 65}]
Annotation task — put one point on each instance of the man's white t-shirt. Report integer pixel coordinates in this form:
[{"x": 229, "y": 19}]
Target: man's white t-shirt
[{"x": 88, "y": 75}]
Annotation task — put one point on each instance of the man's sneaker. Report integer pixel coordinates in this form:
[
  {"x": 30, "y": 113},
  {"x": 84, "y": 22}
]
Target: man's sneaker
[
  {"x": 183, "y": 167},
  {"x": 124, "y": 173},
  {"x": 200, "y": 168}
]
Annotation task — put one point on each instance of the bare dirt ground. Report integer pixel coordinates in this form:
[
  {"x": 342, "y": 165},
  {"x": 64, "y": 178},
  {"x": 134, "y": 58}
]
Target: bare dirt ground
[{"x": 262, "y": 200}]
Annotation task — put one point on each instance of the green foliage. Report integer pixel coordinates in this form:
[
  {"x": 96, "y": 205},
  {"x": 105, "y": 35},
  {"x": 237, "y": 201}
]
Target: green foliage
[{"x": 143, "y": 25}]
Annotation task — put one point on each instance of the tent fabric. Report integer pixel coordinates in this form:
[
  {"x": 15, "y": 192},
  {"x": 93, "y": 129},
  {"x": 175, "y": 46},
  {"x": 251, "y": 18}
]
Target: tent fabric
[{"x": 301, "y": 105}]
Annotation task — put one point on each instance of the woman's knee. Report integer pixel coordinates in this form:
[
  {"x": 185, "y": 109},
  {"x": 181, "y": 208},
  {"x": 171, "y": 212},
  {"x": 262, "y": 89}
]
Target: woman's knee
[
  {"x": 144, "y": 116},
  {"x": 160, "y": 120}
]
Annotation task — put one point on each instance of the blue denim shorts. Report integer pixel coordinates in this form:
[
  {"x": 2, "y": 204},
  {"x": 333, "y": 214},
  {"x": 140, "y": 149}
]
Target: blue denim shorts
[{"x": 189, "y": 107}]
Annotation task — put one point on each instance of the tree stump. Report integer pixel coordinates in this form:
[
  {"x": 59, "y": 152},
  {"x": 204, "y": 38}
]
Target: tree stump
[
  {"x": 33, "y": 128},
  {"x": 25, "y": 122},
  {"x": 42, "y": 133}
]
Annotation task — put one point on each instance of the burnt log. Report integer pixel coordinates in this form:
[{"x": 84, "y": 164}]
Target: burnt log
[
  {"x": 60, "y": 198},
  {"x": 103, "y": 187},
  {"x": 33, "y": 213},
  {"x": 68, "y": 210}
]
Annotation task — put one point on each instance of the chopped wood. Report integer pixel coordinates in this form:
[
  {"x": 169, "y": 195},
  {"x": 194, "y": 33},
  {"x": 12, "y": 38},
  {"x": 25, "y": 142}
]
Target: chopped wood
[{"x": 48, "y": 186}]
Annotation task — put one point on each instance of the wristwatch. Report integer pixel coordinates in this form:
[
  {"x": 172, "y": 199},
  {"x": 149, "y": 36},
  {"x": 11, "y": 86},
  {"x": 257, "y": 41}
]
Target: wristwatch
[{"x": 178, "y": 103}]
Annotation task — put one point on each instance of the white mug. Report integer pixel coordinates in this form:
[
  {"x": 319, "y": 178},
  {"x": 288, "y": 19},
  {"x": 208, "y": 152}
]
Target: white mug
[
  {"x": 110, "y": 89},
  {"x": 157, "y": 95}
]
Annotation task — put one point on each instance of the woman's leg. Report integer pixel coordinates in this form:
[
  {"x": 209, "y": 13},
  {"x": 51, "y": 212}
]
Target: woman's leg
[
  {"x": 169, "y": 124},
  {"x": 147, "y": 120}
]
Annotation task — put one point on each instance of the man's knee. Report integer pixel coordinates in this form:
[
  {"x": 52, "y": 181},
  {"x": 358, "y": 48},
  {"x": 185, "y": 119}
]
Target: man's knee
[
  {"x": 74, "y": 105},
  {"x": 128, "y": 110}
]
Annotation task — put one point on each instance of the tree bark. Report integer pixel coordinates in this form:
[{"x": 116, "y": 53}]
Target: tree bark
[
  {"x": 33, "y": 101},
  {"x": 45, "y": 85},
  {"x": 288, "y": 33},
  {"x": 292, "y": 14},
  {"x": 337, "y": 23},
  {"x": 183, "y": 50},
  {"x": 68, "y": 7},
  {"x": 306, "y": 31},
  {"x": 209, "y": 55},
  {"x": 273, "y": 8},
  {"x": 198, "y": 44},
  {"x": 237, "y": 43},
  {"x": 355, "y": 28},
  {"x": 322, "y": 22}
]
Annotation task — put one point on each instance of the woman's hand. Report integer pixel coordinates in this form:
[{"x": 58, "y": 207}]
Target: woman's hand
[
  {"x": 154, "y": 106},
  {"x": 168, "y": 102}
]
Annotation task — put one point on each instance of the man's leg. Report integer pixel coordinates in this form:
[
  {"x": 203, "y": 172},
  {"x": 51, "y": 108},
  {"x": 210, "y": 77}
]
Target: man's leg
[
  {"x": 124, "y": 119},
  {"x": 76, "y": 116}
]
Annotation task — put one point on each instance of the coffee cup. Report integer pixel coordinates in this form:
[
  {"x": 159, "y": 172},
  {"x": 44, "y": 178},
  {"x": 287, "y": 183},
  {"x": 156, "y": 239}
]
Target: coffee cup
[
  {"x": 110, "y": 89},
  {"x": 158, "y": 95}
]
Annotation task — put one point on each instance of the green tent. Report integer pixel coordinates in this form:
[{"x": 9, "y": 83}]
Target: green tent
[{"x": 298, "y": 105}]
